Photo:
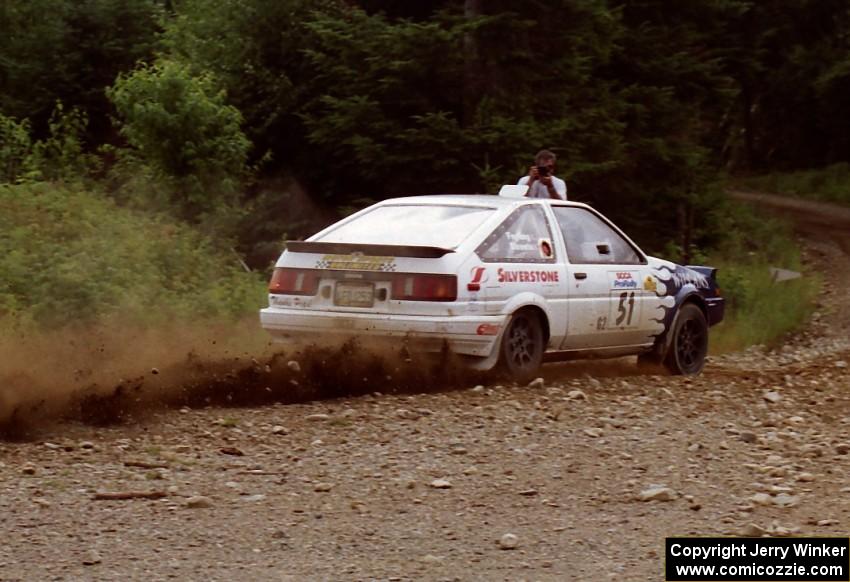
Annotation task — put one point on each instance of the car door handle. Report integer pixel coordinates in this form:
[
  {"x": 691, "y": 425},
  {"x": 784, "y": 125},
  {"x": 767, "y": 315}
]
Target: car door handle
[{"x": 580, "y": 275}]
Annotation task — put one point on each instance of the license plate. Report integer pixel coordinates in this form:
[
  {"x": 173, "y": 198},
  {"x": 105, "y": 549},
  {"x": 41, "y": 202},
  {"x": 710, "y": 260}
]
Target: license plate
[{"x": 354, "y": 294}]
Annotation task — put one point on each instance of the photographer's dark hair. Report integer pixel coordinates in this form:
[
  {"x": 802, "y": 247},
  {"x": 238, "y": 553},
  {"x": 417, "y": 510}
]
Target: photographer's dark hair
[{"x": 544, "y": 155}]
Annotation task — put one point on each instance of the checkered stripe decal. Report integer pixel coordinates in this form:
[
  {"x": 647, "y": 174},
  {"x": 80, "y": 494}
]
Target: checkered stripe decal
[{"x": 334, "y": 264}]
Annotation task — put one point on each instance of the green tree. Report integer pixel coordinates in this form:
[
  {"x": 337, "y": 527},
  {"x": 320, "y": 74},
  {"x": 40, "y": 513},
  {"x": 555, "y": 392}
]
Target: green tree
[
  {"x": 396, "y": 113},
  {"x": 789, "y": 61},
  {"x": 182, "y": 127},
  {"x": 55, "y": 50},
  {"x": 254, "y": 49},
  {"x": 668, "y": 69}
]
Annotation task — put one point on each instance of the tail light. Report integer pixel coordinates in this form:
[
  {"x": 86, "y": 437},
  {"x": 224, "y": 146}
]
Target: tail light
[
  {"x": 411, "y": 287},
  {"x": 294, "y": 281}
]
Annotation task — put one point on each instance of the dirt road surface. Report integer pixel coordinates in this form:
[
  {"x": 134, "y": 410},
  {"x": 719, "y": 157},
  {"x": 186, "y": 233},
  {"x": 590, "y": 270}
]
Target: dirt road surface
[{"x": 428, "y": 486}]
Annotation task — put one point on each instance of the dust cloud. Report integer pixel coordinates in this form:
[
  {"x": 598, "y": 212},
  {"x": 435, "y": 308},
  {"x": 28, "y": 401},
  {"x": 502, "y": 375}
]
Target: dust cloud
[{"x": 118, "y": 373}]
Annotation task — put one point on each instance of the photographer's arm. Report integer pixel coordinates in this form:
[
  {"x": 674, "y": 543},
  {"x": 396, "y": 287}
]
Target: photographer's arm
[
  {"x": 532, "y": 177},
  {"x": 550, "y": 188}
]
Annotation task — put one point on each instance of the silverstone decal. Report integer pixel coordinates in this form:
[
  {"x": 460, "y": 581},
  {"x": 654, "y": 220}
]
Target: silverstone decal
[
  {"x": 623, "y": 279},
  {"x": 356, "y": 263},
  {"x": 517, "y": 276}
]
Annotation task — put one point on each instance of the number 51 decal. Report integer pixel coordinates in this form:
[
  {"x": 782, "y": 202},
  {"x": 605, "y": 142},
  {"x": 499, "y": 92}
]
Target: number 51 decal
[{"x": 623, "y": 309}]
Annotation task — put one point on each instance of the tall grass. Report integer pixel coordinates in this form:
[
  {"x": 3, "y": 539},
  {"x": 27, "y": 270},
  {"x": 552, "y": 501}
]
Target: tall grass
[
  {"x": 69, "y": 256},
  {"x": 829, "y": 184},
  {"x": 758, "y": 309}
]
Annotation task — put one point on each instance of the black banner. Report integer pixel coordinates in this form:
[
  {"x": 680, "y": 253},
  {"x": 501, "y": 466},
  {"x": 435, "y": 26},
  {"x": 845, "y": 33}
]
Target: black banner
[{"x": 757, "y": 559}]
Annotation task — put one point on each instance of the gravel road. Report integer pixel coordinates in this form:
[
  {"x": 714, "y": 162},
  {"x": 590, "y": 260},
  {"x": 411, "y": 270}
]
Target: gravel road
[{"x": 579, "y": 476}]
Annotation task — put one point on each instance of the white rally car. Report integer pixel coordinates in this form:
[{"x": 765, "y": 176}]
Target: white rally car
[{"x": 498, "y": 280}]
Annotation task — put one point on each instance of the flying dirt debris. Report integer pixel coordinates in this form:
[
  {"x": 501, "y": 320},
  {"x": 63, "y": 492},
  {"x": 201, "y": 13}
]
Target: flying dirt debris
[
  {"x": 32, "y": 398},
  {"x": 544, "y": 480}
]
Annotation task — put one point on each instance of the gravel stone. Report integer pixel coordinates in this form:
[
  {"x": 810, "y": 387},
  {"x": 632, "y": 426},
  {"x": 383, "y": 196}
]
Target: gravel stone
[
  {"x": 748, "y": 437},
  {"x": 508, "y": 541},
  {"x": 658, "y": 494},
  {"x": 752, "y": 530},
  {"x": 199, "y": 502}
]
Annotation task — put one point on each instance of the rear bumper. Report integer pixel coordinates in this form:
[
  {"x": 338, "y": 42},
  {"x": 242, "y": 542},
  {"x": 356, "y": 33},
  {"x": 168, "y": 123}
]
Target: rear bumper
[
  {"x": 715, "y": 308},
  {"x": 462, "y": 334}
]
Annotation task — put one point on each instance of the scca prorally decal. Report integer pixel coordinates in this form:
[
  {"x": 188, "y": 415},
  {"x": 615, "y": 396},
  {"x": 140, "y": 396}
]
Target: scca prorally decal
[
  {"x": 623, "y": 279},
  {"x": 506, "y": 276},
  {"x": 356, "y": 263}
]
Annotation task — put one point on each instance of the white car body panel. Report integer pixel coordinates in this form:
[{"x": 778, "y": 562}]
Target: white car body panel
[{"x": 593, "y": 307}]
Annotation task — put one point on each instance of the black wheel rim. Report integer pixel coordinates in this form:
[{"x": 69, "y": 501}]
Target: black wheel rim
[
  {"x": 522, "y": 344},
  {"x": 691, "y": 344}
]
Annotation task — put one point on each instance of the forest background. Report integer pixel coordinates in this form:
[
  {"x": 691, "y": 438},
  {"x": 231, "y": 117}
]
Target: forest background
[{"x": 155, "y": 154}]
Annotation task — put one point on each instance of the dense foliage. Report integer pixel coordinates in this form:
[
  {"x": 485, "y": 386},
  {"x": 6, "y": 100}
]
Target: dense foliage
[
  {"x": 182, "y": 127},
  {"x": 643, "y": 100},
  {"x": 68, "y": 255},
  {"x": 259, "y": 119}
]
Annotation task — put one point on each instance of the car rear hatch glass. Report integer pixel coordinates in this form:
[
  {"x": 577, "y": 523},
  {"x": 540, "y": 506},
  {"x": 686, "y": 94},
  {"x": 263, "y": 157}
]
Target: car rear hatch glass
[{"x": 411, "y": 224}]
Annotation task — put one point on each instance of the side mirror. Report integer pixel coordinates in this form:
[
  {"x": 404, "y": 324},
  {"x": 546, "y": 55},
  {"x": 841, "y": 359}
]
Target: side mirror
[{"x": 603, "y": 248}]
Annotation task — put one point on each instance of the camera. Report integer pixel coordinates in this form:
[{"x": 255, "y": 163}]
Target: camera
[{"x": 542, "y": 171}]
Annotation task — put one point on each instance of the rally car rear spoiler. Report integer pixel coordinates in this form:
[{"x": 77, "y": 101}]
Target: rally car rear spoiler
[{"x": 420, "y": 252}]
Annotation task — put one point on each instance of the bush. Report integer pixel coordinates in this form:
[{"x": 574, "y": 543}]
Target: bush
[
  {"x": 180, "y": 125},
  {"x": 15, "y": 149},
  {"x": 59, "y": 156},
  {"x": 70, "y": 257}
]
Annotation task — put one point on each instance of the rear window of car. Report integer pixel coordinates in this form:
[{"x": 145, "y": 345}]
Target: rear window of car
[{"x": 411, "y": 224}]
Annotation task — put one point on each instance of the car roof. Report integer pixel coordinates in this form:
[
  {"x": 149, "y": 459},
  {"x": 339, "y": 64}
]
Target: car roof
[{"x": 482, "y": 200}]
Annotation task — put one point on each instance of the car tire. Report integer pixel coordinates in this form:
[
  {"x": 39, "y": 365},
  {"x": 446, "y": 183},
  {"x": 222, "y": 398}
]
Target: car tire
[
  {"x": 522, "y": 347},
  {"x": 688, "y": 343}
]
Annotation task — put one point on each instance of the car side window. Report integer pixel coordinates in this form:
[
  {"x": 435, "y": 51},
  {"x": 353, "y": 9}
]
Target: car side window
[
  {"x": 523, "y": 237},
  {"x": 590, "y": 240}
]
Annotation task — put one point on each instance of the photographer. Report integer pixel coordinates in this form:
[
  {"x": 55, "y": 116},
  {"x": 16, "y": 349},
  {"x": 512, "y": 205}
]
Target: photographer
[{"x": 541, "y": 179}]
